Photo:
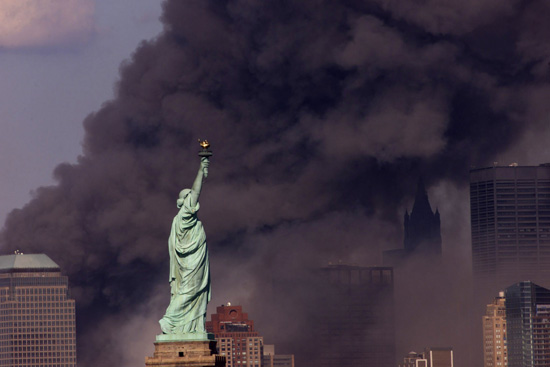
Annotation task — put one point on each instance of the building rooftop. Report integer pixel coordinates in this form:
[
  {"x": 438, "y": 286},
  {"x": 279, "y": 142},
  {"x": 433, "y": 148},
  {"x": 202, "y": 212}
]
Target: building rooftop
[{"x": 31, "y": 261}]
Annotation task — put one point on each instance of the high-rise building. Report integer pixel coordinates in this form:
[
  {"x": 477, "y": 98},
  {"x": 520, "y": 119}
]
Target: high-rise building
[
  {"x": 495, "y": 350},
  {"x": 355, "y": 320},
  {"x": 37, "y": 315},
  {"x": 528, "y": 325},
  {"x": 270, "y": 359},
  {"x": 237, "y": 340},
  {"x": 510, "y": 217}
]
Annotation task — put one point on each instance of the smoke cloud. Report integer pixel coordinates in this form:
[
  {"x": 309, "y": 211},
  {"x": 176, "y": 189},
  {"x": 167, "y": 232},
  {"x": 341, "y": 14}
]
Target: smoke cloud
[
  {"x": 322, "y": 115},
  {"x": 45, "y": 23}
]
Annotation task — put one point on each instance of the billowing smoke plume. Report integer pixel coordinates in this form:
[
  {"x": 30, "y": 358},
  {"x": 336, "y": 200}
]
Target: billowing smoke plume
[{"x": 321, "y": 114}]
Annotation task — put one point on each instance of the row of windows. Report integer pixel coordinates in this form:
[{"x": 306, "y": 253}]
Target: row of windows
[
  {"x": 37, "y": 354},
  {"x": 36, "y": 290},
  {"x": 41, "y": 361},
  {"x": 37, "y": 317},
  {"x": 41, "y": 346},
  {"x": 239, "y": 353},
  {"x": 34, "y": 299},
  {"x": 34, "y": 334},
  {"x": 18, "y": 304}
]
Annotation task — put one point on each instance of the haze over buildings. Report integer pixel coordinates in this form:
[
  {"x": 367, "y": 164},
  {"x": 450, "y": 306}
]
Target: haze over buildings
[
  {"x": 271, "y": 359},
  {"x": 354, "y": 323},
  {"x": 430, "y": 357}
]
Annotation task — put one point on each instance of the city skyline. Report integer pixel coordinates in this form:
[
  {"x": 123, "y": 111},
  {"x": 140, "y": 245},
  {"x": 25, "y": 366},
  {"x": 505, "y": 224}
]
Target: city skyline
[{"x": 322, "y": 115}]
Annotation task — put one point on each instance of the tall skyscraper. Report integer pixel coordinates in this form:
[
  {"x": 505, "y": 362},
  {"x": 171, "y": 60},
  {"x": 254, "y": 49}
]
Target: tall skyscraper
[
  {"x": 510, "y": 216},
  {"x": 422, "y": 227},
  {"x": 37, "y": 315},
  {"x": 237, "y": 340},
  {"x": 495, "y": 350},
  {"x": 528, "y": 325},
  {"x": 355, "y": 321}
]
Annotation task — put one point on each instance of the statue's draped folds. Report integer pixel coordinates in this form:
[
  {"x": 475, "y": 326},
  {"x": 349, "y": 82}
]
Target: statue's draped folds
[{"x": 189, "y": 272}]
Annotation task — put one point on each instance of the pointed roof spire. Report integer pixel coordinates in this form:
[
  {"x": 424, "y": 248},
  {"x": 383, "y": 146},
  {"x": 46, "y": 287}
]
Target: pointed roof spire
[{"x": 421, "y": 202}]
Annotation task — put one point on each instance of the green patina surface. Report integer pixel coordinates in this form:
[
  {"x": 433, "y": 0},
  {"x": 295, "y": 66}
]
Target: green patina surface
[
  {"x": 185, "y": 337},
  {"x": 189, "y": 278}
]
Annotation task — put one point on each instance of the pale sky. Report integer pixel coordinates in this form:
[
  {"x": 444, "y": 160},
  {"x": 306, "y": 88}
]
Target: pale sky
[{"x": 59, "y": 61}]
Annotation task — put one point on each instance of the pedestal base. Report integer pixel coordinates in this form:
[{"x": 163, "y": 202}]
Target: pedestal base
[{"x": 197, "y": 353}]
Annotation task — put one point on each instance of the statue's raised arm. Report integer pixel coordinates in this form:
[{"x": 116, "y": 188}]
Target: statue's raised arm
[
  {"x": 197, "y": 185},
  {"x": 189, "y": 266}
]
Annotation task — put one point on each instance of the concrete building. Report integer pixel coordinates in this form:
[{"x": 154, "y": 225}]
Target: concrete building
[
  {"x": 355, "y": 317},
  {"x": 528, "y": 325},
  {"x": 495, "y": 350},
  {"x": 270, "y": 359},
  {"x": 510, "y": 217},
  {"x": 37, "y": 315},
  {"x": 237, "y": 340}
]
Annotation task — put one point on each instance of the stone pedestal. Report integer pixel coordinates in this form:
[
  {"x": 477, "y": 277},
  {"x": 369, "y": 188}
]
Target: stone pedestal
[{"x": 185, "y": 353}]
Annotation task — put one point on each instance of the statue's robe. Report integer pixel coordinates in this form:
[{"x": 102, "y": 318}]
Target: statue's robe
[{"x": 189, "y": 273}]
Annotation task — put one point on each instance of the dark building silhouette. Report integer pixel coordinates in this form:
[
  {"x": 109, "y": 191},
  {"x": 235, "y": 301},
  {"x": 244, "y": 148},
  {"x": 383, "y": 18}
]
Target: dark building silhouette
[
  {"x": 528, "y": 325},
  {"x": 354, "y": 324},
  {"x": 422, "y": 227},
  {"x": 510, "y": 217},
  {"x": 422, "y": 231}
]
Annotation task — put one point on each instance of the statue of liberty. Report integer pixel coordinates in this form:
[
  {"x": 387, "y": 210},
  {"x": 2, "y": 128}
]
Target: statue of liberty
[{"x": 189, "y": 266}]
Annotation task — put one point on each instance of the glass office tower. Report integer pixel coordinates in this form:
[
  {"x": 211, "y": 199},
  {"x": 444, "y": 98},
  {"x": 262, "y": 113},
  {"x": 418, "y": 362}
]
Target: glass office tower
[
  {"x": 528, "y": 325},
  {"x": 37, "y": 315},
  {"x": 510, "y": 217}
]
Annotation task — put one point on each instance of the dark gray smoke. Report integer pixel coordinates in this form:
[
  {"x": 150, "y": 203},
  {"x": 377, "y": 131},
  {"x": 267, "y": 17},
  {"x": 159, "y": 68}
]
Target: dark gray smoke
[{"x": 321, "y": 114}]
